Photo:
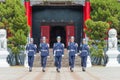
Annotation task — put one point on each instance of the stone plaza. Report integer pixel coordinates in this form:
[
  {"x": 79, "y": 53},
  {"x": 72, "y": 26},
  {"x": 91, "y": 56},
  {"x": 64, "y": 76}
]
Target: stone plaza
[{"x": 93, "y": 73}]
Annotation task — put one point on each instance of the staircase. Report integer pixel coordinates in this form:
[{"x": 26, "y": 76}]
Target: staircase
[{"x": 50, "y": 61}]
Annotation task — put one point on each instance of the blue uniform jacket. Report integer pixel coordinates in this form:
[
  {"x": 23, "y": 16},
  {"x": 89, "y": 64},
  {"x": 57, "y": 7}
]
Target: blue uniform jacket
[
  {"x": 44, "y": 49},
  {"x": 31, "y": 48},
  {"x": 84, "y": 50},
  {"x": 72, "y": 47},
  {"x": 58, "y": 49}
]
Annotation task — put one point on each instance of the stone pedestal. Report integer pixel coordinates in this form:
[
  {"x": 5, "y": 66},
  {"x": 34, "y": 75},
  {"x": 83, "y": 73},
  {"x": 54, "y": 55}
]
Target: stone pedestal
[
  {"x": 3, "y": 59},
  {"x": 89, "y": 62},
  {"x": 113, "y": 56}
]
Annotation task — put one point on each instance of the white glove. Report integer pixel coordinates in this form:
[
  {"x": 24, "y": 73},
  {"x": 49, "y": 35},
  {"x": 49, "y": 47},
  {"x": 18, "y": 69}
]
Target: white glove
[
  {"x": 76, "y": 54},
  {"x": 39, "y": 52},
  {"x": 35, "y": 45},
  {"x": 54, "y": 54},
  {"x": 54, "y": 51},
  {"x": 35, "y": 55},
  {"x": 48, "y": 56},
  {"x": 79, "y": 51},
  {"x": 62, "y": 55},
  {"x": 88, "y": 46},
  {"x": 26, "y": 53}
]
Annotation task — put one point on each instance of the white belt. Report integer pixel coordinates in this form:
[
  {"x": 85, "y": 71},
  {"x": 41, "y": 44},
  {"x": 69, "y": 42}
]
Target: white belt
[
  {"x": 58, "y": 50},
  {"x": 43, "y": 50},
  {"x": 72, "y": 50},
  {"x": 84, "y": 50},
  {"x": 31, "y": 50}
]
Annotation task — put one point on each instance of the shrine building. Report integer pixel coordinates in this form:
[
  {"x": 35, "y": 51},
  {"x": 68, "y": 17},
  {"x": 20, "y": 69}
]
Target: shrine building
[{"x": 52, "y": 18}]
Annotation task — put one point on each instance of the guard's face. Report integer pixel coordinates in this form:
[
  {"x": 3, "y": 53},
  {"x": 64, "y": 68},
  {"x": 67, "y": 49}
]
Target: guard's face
[
  {"x": 31, "y": 42},
  {"x": 72, "y": 39},
  {"x": 84, "y": 42},
  {"x": 44, "y": 40},
  {"x": 58, "y": 39}
]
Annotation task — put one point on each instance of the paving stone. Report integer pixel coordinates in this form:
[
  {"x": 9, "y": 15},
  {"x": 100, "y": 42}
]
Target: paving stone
[{"x": 93, "y": 73}]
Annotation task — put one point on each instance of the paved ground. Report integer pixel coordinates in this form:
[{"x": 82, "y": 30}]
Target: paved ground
[{"x": 93, "y": 73}]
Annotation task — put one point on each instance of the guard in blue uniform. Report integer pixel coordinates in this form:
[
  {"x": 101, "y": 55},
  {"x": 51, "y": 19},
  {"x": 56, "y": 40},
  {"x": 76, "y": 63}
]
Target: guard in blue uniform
[
  {"x": 44, "y": 51},
  {"x": 58, "y": 51},
  {"x": 72, "y": 50},
  {"x": 31, "y": 49},
  {"x": 84, "y": 54}
]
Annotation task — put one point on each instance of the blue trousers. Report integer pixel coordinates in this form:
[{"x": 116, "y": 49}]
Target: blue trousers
[
  {"x": 83, "y": 61},
  {"x": 71, "y": 61},
  {"x": 58, "y": 60},
  {"x": 30, "y": 61},
  {"x": 43, "y": 61}
]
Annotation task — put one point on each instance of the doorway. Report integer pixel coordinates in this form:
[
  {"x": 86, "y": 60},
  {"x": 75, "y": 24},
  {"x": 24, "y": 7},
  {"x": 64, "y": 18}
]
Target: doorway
[{"x": 57, "y": 31}]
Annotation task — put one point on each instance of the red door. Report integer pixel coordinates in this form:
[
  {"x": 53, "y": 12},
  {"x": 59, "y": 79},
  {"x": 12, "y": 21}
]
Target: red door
[
  {"x": 45, "y": 31},
  {"x": 70, "y": 31}
]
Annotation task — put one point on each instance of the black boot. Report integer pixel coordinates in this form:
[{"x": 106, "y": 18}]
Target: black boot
[
  {"x": 83, "y": 69},
  {"x": 57, "y": 70},
  {"x": 43, "y": 70},
  {"x": 30, "y": 69},
  {"x": 71, "y": 69}
]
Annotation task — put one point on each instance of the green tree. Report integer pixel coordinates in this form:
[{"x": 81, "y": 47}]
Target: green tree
[
  {"x": 13, "y": 19},
  {"x": 106, "y": 11},
  {"x": 105, "y": 14},
  {"x": 97, "y": 32}
]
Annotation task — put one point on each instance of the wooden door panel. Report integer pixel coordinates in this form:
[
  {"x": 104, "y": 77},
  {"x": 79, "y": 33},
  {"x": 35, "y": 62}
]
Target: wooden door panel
[
  {"x": 45, "y": 31},
  {"x": 70, "y": 31}
]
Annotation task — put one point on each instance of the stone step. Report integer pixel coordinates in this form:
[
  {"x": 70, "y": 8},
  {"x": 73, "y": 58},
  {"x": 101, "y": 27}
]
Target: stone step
[{"x": 50, "y": 61}]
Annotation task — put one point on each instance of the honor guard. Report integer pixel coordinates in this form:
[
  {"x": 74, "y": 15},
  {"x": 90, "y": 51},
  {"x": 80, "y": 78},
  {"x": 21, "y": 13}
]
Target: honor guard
[
  {"x": 44, "y": 52},
  {"x": 31, "y": 49},
  {"x": 83, "y": 54},
  {"x": 58, "y": 51},
  {"x": 72, "y": 51}
]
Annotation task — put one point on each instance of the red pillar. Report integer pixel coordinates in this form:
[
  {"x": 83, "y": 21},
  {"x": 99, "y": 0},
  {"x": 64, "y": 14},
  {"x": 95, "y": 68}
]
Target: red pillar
[
  {"x": 29, "y": 15},
  {"x": 86, "y": 11}
]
